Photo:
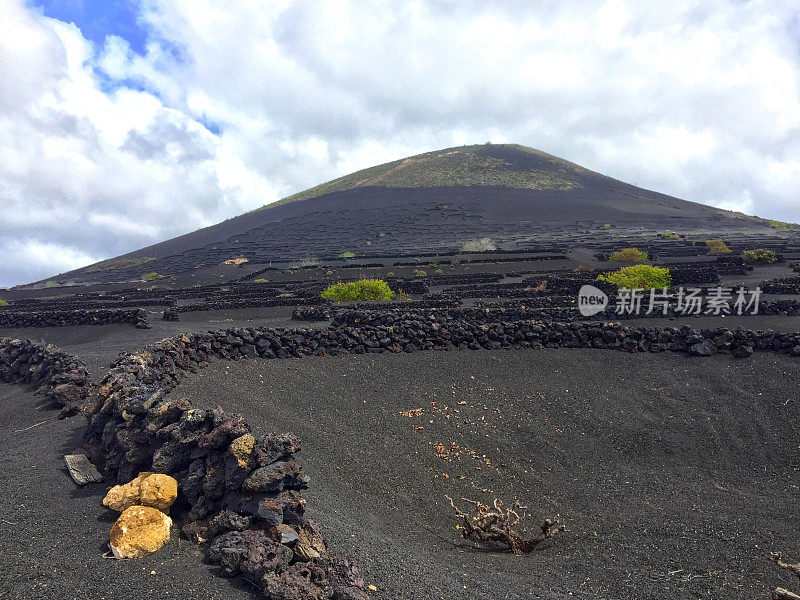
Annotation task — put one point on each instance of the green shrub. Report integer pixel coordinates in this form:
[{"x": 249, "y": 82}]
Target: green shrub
[
  {"x": 391, "y": 274},
  {"x": 359, "y": 291},
  {"x": 717, "y": 247},
  {"x": 760, "y": 256},
  {"x": 629, "y": 255},
  {"x": 419, "y": 273},
  {"x": 639, "y": 277},
  {"x": 261, "y": 281},
  {"x": 438, "y": 272},
  {"x": 484, "y": 244},
  {"x": 783, "y": 225},
  {"x": 329, "y": 273},
  {"x": 149, "y": 276},
  {"x": 347, "y": 254},
  {"x": 52, "y": 283},
  {"x": 606, "y": 225},
  {"x": 3, "y": 302},
  {"x": 669, "y": 235}
]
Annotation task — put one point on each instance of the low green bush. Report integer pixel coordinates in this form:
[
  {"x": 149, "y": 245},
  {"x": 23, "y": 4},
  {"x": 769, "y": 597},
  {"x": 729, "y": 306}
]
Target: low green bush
[
  {"x": 760, "y": 256},
  {"x": 3, "y": 302},
  {"x": 390, "y": 274},
  {"x": 347, "y": 254},
  {"x": 629, "y": 255},
  {"x": 149, "y": 276},
  {"x": 717, "y": 247},
  {"x": 669, "y": 235},
  {"x": 419, "y": 273},
  {"x": 52, "y": 283},
  {"x": 438, "y": 272},
  {"x": 261, "y": 281},
  {"x": 365, "y": 290},
  {"x": 606, "y": 225},
  {"x": 783, "y": 225},
  {"x": 639, "y": 277}
]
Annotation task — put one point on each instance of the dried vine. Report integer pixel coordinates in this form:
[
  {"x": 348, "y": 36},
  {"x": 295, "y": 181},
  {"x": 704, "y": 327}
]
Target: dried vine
[{"x": 499, "y": 524}]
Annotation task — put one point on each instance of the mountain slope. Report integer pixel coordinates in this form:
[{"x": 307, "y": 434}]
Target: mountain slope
[{"x": 431, "y": 202}]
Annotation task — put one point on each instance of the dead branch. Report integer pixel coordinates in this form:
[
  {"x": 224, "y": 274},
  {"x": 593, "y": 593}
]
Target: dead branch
[
  {"x": 780, "y": 593},
  {"x": 777, "y": 558},
  {"x": 499, "y": 524}
]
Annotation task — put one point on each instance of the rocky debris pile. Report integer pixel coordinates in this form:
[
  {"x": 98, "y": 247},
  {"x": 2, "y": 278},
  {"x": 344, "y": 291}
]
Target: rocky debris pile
[
  {"x": 785, "y": 285},
  {"x": 61, "y": 318},
  {"x": 326, "y": 312},
  {"x": 366, "y": 331},
  {"x": 237, "y": 492},
  {"x": 141, "y": 320},
  {"x": 312, "y": 313},
  {"x": 60, "y": 377},
  {"x": 693, "y": 274},
  {"x": 288, "y": 300},
  {"x": 408, "y": 285},
  {"x": 170, "y": 314}
]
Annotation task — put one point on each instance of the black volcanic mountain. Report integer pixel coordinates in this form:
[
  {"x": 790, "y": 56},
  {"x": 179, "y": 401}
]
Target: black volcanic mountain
[{"x": 432, "y": 202}]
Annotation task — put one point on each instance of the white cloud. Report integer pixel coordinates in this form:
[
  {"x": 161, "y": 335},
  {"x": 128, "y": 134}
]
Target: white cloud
[{"x": 235, "y": 105}]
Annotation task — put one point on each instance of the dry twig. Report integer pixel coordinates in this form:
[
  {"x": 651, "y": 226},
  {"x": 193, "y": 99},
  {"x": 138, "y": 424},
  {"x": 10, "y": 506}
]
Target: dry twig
[{"x": 780, "y": 593}]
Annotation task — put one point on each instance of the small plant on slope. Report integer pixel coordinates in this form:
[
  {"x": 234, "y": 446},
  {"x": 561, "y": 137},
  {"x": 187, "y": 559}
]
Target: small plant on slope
[
  {"x": 484, "y": 244},
  {"x": 639, "y": 277},
  {"x": 717, "y": 247},
  {"x": 760, "y": 256},
  {"x": 3, "y": 302},
  {"x": 365, "y": 290},
  {"x": 499, "y": 524},
  {"x": 629, "y": 255}
]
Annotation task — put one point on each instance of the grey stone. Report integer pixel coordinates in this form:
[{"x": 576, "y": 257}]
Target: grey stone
[{"x": 81, "y": 470}]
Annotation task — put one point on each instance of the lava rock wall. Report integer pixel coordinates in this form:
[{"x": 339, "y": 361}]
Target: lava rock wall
[
  {"x": 62, "y": 378},
  {"x": 61, "y": 318}
]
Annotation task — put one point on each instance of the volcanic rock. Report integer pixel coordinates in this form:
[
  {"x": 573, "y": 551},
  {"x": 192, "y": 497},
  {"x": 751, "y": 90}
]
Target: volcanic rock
[
  {"x": 139, "y": 531},
  {"x": 81, "y": 470},
  {"x": 147, "y": 489}
]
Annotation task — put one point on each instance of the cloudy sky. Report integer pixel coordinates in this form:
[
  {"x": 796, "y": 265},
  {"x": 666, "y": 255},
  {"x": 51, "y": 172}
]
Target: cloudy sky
[{"x": 123, "y": 123}]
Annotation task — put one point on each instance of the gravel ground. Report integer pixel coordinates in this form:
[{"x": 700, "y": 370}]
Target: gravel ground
[{"x": 676, "y": 477}]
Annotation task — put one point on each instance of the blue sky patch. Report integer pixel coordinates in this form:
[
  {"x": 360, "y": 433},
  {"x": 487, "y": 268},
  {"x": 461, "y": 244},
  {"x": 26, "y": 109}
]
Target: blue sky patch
[{"x": 98, "y": 18}]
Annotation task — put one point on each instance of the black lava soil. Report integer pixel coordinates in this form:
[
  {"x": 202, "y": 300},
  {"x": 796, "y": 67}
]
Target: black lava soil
[{"x": 676, "y": 477}]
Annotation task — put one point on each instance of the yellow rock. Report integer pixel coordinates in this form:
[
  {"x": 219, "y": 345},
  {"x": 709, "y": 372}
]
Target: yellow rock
[
  {"x": 121, "y": 497},
  {"x": 158, "y": 491},
  {"x": 139, "y": 531},
  {"x": 242, "y": 449},
  {"x": 148, "y": 489}
]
